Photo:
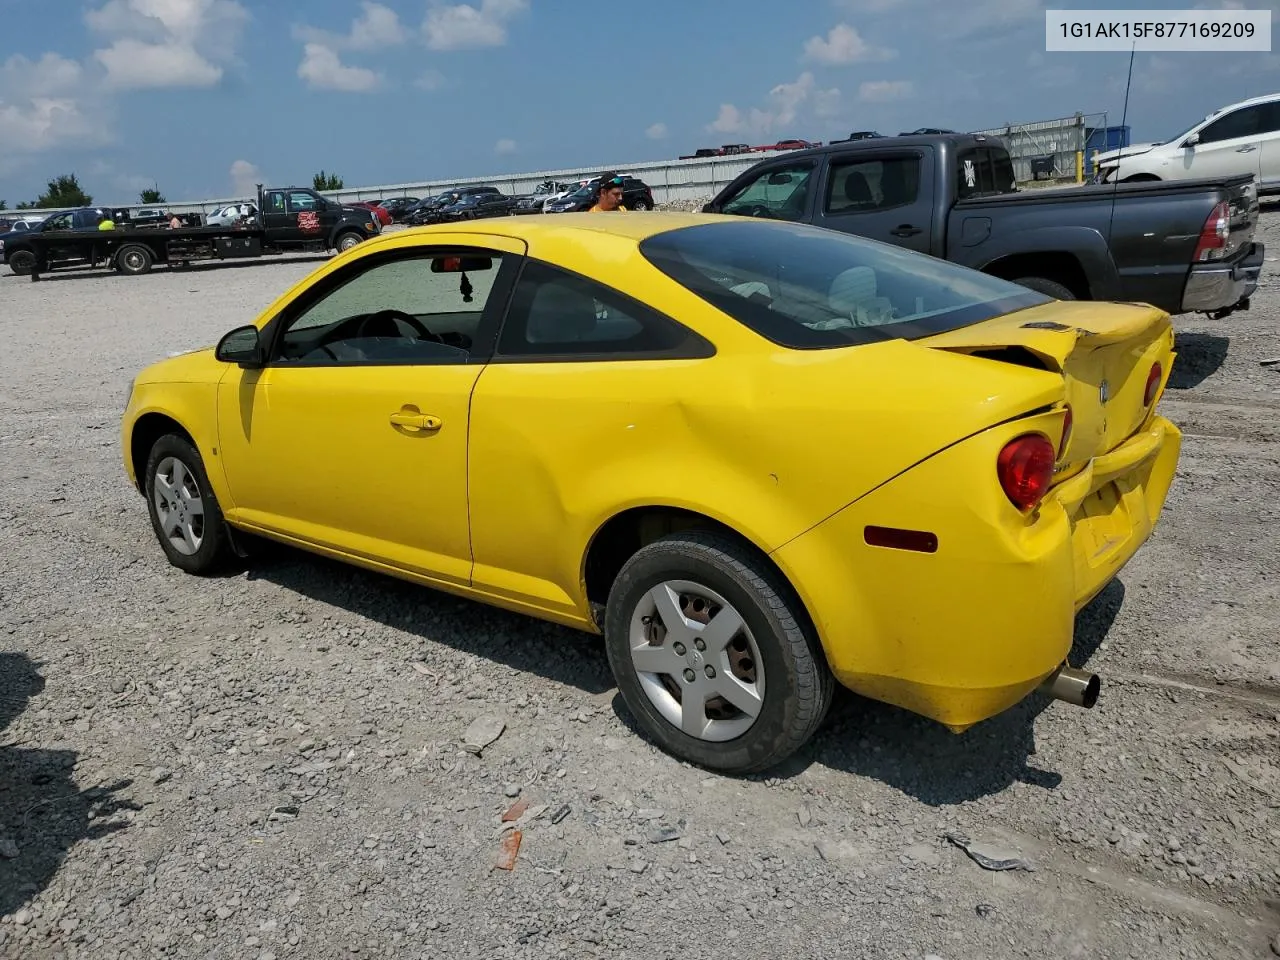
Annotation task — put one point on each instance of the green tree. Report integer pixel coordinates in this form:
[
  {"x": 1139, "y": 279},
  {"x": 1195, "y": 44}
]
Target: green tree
[
  {"x": 152, "y": 195},
  {"x": 326, "y": 181},
  {"x": 25, "y": 205},
  {"x": 3, "y": 205},
  {"x": 64, "y": 191}
]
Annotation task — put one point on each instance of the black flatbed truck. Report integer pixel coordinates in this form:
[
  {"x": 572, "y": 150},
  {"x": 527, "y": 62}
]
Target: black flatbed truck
[{"x": 287, "y": 219}]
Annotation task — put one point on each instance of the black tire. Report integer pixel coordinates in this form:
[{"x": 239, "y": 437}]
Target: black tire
[
  {"x": 134, "y": 260},
  {"x": 1050, "y": 288},
  {"x": 22, "y": 263},
  {"x": 643, "y": 205},
  {"x": 346, "y": 240},
  {"x": 798, "y": 686},
  {"x": 214, "y": 552}
]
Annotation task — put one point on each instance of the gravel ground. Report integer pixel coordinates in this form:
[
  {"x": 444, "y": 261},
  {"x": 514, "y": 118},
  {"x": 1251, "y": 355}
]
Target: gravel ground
[{"x": 269, "y": 765}]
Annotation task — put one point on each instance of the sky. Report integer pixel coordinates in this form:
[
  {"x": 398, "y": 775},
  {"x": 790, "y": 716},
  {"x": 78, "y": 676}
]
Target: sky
[{"x": 204, "y": 98}]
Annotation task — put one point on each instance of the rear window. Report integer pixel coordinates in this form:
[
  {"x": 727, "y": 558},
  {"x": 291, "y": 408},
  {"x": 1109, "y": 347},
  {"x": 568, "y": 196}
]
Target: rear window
[{"x": 805, "y": 287}]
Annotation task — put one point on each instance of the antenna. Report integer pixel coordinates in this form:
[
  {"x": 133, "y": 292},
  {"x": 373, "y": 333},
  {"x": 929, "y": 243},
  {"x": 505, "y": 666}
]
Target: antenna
[{"x": 1124, "y": 119}]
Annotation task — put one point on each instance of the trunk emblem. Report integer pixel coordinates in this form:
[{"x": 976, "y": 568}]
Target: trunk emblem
[{"x": 1104, "y": 391}]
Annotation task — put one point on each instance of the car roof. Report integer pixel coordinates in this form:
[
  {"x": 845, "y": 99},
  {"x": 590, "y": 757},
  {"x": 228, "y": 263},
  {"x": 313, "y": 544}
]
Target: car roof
[{"x": 632, "y": 226}]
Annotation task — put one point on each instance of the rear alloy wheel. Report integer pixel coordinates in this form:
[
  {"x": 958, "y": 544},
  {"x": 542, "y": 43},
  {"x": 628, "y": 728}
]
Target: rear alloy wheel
[
  {"x": 134, "y": 260},
  {"x": 712, "y": 654},
  {"x": 184, "y": 512},
  {"x": 643, "y": 205},
  {"x": 1050, "y": 288},
  {"x": 23, "y": 263}
]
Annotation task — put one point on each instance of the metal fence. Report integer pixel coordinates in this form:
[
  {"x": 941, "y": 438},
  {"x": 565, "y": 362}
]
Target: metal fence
[
  {"x": 1048, "y": 149},
  {"x": 1044, "y": 150}
]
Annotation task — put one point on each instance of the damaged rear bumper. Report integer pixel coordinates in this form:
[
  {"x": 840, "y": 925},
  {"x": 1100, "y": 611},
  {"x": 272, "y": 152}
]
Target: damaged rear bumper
[{"x": 1223, "y": 288}]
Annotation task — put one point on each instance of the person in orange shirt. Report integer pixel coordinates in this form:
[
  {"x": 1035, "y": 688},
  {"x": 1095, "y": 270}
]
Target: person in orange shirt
[{"x": 609, "y": 198}]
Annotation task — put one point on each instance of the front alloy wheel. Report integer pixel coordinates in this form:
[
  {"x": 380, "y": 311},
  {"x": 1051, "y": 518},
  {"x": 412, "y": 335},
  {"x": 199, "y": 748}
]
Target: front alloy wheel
[{"x": 184, "y": 512}]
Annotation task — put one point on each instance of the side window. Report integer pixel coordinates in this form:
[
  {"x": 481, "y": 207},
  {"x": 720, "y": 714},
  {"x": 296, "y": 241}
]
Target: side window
[
  {"x": 868, "y": 184},
  {"x": 554, "y": 313},
  {"x": 780, "y": 192},
  {"x": 60, "y": 222},
  {"x": 301, "y": 200},
  {"x": 982, "y": 172},
  {"x": 274, "y": 201},
  {"x": 1239, "y": 123},
  {"x": 425, "y": 308}
]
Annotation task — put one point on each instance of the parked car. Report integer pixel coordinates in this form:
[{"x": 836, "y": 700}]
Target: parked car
[
  {"x": 477, "y": 205},
  {"x": 636, "y": 195},
  {"x": 926, "y": 132},
  {"x": 373, "y": 206},
  {"x": 464, "y": 203},
  {"x": 415, "y": 213},
  {"x": 920, "y": 520},
  {"x": 397, "y": 206},
  {"x": 1185, "y": 247},
  {"x": 790, "y": 144},
  {"x": 231, "y": 214},
  {"x": 533, "y": 202},
  {"x": 861, "y": 135},
  {"x": 1243, "y": 138}
]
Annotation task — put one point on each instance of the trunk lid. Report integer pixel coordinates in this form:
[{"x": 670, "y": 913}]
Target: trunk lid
[{"x": 1104, "y": 353}]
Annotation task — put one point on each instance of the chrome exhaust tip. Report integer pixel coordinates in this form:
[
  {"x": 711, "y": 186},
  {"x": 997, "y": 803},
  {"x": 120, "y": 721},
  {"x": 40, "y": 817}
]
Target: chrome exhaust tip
[{"x": 1072, "y": 686}]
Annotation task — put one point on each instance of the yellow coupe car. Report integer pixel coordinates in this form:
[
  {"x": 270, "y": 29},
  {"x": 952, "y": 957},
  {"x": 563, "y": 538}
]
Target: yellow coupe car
[{"x": 759, "y": 457}]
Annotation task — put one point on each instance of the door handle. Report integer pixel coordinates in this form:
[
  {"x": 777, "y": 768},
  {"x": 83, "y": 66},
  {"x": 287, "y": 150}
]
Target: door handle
[
  {"x": 415, "y": 421},
  {"x": 1248, "y": 149},
  {"x": 905, "y": 230}
]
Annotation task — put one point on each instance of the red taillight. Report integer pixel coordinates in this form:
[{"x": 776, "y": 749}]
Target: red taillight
[
  {"x": 1214, "y": 234},
  {"x": 1025, "y": 469},
  {"x": 1153, "y": 385},
  {"x": 1066, "y": 431}
]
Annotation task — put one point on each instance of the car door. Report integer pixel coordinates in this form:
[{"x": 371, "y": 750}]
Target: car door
[
  {"x": 880, "y": 194},
  {"x": 309, "y": 214},
  {"x": 1229, "y": 146},
  {"x": 1269, "y": 162},
  {"x": 578, "y": 364},
  {"x": 60, "y": 247},
  {"x": 353, "y": 435},
  {"x": 278, "y": 226},
  {"x": 780, "y": 191}
]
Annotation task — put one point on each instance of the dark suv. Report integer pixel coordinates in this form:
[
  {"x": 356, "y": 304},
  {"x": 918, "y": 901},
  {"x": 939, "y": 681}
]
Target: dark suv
[{"x": 636, "y": 195}]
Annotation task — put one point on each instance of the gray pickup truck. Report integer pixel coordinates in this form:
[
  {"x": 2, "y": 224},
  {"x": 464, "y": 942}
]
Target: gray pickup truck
[{"x": 1184, "y": 246}]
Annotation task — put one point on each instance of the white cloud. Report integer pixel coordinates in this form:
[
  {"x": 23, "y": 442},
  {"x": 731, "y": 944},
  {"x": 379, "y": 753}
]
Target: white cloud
[
  {"x": 842, "y": 45},
  {"x": 786, "y": 103},
  {"x": 167, "y": 43},
  {"x": 459, "y": 26},
  {"x": 45, "y": 103},
  {"x": 504, "y": 147},
  {"x": 323, "y": 70},
  {"x": 657, "y": 131},
  {"x": 134, "y": 65},
  {"x": 430, "y": 79},
  {"x": 245, "y": 178},
  {"x": 885, "y": 91},
  {"x": 377, "y": 27}
]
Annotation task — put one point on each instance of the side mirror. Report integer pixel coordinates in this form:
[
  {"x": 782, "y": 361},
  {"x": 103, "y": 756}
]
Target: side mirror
[
  {"x": 709, "y": 208},
  {"x": 776, "y": 179},
  {"x": 243, "y": 346},
  {"x": 1192, "y": 140}
]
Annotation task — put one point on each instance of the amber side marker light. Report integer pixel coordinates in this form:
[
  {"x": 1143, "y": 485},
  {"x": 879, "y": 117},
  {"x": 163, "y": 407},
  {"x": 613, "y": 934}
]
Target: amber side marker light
[{"x": 920, "y": 541}]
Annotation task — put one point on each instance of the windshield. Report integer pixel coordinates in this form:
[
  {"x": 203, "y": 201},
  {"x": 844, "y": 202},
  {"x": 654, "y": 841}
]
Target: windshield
[
  {"x": 1178, "y": 136},
  {"x": 805, "y": 287}
]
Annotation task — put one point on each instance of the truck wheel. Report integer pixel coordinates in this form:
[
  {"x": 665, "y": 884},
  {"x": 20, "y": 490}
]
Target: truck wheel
[
  {"x": 713, "y": 654},
  {"x": 348, "y": 240},
  {"x": 22, "y": 263},
  {"x": 134, "y": 260},
  {"x": 1050, "y": 288}
]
